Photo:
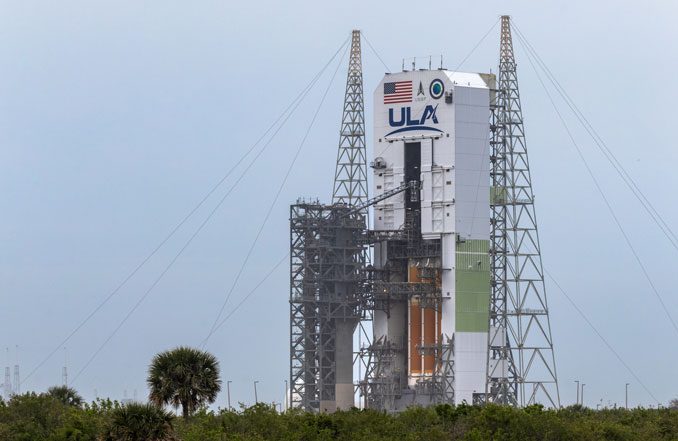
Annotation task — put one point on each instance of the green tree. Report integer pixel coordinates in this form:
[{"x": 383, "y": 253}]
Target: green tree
[
  {"x": 66, "y": 395},
  {"x": 185, "y": 377},
  {"x": 140, "y": 422},
  {"x": 31, "y": 417}
]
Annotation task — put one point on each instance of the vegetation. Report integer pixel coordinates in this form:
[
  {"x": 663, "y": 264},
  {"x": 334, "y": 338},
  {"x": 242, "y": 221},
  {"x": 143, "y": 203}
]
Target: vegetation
[
  {"x": 41, "y": 417},
  {"x": 139, "y": 422},
  {"x": 190, "y": 378},
  {"x": 184, "y": 377},
  {"x": 66, "y": 395}
]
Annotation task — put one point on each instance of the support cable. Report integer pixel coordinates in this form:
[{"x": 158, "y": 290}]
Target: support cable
[
  {"x": 169, "y": 235},
  {"x": 602, "y": 194},
  {"x": 271, "y": 207},
  {"x": 289, "y": 111},
  {"x": 252, "y": 291},
  {"x": 602, "y": 146},
  {"x": 388, "y": 69},
  {"x": 603, "y": 339},
  {"x": 489, "y": 31}
]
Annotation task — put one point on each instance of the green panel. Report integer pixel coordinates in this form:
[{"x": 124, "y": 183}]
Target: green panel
[
  {"x": 472, "y": 286},
  {"x": 472, "y": 301},
  {"x": 473, "y": 255},
  {"x": 498, "y": 195}
]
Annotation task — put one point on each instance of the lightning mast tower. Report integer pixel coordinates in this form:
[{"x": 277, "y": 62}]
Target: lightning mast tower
[
  {"x": 17, "y": 378},
  {"x": 7, "y": 385},
  {"x": 521, "y": 362},
  {"x": 350, "y": 178},
  {"x": 327, "y": 256}
]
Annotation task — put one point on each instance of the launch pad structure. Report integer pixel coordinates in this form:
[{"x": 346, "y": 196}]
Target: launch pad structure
[{"x": 449, "y": 273}]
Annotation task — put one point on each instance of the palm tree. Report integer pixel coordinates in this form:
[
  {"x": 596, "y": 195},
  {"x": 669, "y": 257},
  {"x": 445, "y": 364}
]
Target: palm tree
[
  {"x": 65, "y": 394},
  {"x": 185, "y": 377},
  {"x": 140, "y": 422}
]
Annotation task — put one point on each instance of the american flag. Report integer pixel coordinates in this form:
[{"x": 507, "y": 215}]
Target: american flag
[{"x": 398, "y": 92}]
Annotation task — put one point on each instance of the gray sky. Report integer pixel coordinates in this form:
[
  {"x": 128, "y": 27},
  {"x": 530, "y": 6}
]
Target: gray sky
[{"x": 117, "y": 117}]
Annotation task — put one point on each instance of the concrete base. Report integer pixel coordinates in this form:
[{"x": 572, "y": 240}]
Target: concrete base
[
  {"x": 343, "y": 388},
  {"x": 328, "y": 406},
  {"x": 344, "y": 394}
]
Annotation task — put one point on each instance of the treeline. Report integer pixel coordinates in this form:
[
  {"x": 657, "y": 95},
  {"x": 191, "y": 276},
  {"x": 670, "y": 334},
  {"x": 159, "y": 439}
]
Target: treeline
[
  {"x": 60, "y": 415},
  {"x": 188, "y": 379}
]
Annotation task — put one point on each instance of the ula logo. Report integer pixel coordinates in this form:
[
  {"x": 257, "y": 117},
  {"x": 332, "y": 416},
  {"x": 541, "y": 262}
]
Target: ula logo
[{"x": 407, "y": 122}]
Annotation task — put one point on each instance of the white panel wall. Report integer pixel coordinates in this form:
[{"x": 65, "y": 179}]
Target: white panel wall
[
  {"x": 448, "y": 323},
  {"x": 471, "y": 162},
  {"x": 470, "y": 363},
  {"x": 472, "y": 208}
]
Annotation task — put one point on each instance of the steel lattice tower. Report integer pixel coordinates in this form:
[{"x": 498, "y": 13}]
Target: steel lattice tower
[
  {"x": 327, "y": 259},
  {"x": 521, "y": 362},
  {"x": 17, "y": 380},
  {"x": 7, "y": 385},
  {"x": 350, "y": 177}
]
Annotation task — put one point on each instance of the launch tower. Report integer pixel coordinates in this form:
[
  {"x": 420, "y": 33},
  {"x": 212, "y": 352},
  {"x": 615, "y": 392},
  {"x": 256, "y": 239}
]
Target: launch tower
[{"x": 454, "y": 287}]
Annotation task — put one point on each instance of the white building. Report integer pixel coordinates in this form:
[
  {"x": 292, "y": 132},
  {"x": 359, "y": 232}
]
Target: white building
[{"x": 432, "y": 126}]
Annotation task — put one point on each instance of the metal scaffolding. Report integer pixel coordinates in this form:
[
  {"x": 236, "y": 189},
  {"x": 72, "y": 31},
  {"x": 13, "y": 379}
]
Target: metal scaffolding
[
  {"x": 328, "y": 258},
  {"x": 350, "y": 177},
  {"x": 385, "y": 381},
  {"x": 7, "y": 385},
  {"x": 326, "y": 245},
  {"x": 521, "y": 361},
  {"x": 382, "y": 382}
]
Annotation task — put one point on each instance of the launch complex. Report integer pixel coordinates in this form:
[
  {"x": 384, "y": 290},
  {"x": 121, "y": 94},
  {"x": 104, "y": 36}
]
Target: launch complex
[{"x": 442, "y": 263}]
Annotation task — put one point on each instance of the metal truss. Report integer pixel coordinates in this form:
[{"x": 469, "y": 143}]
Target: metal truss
[
  {"x": 440, "y": 386},
  {"x": 328, "y": 257},
  {"x": 325, "y": 284},
  {"x": 7, "y": 385},
  {"x": 521, "y": 362},
  {"x": 501, "y": 369},
  {"x": 382, "y": 383},
  {"x": 414, "y": 250},
  {"x": 446, "y": 375},
  {"x": 350, "y": 178},
  {"x": 386, "y": 292}
]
